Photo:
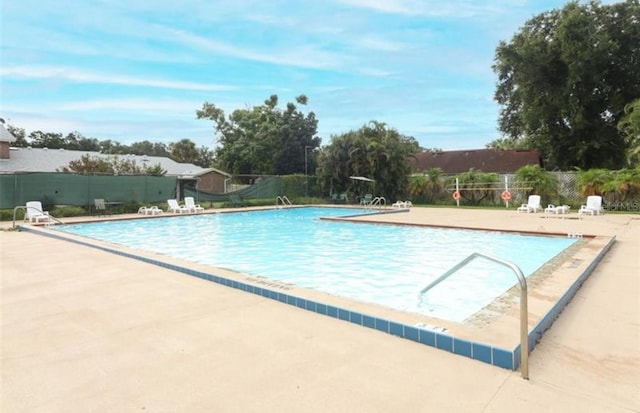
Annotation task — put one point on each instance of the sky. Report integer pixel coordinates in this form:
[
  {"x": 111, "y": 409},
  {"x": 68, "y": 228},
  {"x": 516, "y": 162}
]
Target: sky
[{"x": 139, "y": 70}]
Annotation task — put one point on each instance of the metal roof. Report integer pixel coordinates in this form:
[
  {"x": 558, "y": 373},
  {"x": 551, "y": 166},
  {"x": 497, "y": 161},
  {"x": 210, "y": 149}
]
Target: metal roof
[
  {"x": 53, "y": 160},
  {"x": 485, "y": 160},
  {"x": 5, "y": 135}
]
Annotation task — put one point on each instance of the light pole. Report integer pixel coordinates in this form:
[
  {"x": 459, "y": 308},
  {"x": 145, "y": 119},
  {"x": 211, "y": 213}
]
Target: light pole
[{"x": 306, "y": 172}]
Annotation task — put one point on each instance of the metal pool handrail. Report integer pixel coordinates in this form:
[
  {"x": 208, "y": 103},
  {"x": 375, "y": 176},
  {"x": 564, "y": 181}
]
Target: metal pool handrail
[
  {"x": 285, "y": 201},
  {"x": 25, "y": 208},
  {"x": 524, "y": 312}
]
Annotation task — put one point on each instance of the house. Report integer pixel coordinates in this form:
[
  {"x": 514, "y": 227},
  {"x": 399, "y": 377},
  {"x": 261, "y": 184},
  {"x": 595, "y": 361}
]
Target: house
[
  {"x": 28, "y": 160},
  {"x": 485, "y": 160},
  {"x": 6, "y": 138}
]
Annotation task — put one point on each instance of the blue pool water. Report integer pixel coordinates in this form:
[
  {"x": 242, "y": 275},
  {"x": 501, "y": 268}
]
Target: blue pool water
[{"x": 384, "y": 264}]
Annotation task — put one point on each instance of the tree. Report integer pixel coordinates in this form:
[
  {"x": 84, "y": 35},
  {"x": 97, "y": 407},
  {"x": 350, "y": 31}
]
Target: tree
[
  {"x": 508, "y": 144},
  {"x": 41, "y": 139},
  {"x": 111, "y": 147},
  {"x": 429, "y": 185},
  {"x": 375, "y": 151},
  {"x": 564, "y": 79},
  {"x": 614, "y": 186},
  {"x": 89, "y": 165},
  {"x": 206, "y": 157},
  {"x": 264, "y": 139},
  {"x": 476, "y": 186},
  {"x": 593, "y": 181},
  {"x": 184, "y": 151},
  {"x": 149, "y": 148},
  {"x": 538, "y": 180},
  {"x": 19, "y": 134},
  {"x": 111, "y": 165},
  {"x": 630, "y": 126}
]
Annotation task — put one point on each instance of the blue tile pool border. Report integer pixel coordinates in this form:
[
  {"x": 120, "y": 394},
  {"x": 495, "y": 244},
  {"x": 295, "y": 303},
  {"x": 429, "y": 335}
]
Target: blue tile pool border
[{"x": 496, "y": 356}]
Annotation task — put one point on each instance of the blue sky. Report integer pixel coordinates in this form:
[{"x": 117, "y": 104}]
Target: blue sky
[{"x": 135, "y": 70}]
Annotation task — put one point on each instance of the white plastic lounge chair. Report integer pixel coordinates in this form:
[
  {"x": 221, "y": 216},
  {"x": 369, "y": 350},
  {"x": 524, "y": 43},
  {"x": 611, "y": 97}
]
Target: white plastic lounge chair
[
  {"x": 100, "y": 206},
  {"x": 532, "y": 205},
  {"x": 191, "y": 205},
  {"x": 402, "y": 204},
  {"x": 175, "y": 207},
  {"x": 593, "y": 207},
  {"x": 152, "y": 210},
  {"x": 560, "y": 209},
  {"x": 35, "y": 213}
]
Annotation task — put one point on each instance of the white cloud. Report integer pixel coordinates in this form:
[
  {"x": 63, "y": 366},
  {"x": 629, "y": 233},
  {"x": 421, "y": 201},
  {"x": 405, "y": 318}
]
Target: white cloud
[
  {"x": 75, "y": 75},
  {"x": 297, "y": 55}
]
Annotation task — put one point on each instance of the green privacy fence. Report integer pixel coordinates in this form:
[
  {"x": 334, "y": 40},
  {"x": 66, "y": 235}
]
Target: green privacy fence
[
  {"x": 81, "y": 190},
  {"x": 264, "y": 187}
]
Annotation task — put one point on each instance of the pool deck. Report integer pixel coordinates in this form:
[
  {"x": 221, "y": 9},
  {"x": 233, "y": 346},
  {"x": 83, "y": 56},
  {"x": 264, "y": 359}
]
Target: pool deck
[{"x": 85, "y": 330}]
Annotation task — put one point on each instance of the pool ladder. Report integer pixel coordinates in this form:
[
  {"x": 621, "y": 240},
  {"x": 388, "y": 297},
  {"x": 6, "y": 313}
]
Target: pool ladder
[
  {"x": 283, "y": 202},
  {"x": 378, "y": 201},
  {"x": 524, "y": 312}
]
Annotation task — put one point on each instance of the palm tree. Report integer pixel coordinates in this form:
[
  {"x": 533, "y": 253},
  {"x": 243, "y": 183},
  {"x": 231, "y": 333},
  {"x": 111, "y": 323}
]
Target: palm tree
[
  {"x": 435, "y": 185},
  {"x": 592, "y": 181},
  {"x": 541, "y": 182}
]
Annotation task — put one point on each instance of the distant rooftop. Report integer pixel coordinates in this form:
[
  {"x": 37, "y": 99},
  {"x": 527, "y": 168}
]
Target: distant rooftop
[
  {"x": 5, "y": 135},
  {"x": 52, "y": 160},
  {"x": 485, "y": 160}
]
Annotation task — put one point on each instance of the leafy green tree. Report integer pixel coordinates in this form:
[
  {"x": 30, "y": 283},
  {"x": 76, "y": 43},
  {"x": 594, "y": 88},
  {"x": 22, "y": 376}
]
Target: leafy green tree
[
  {"x": 621, "y": 186},
  {"x": 477, "y": 186},
  {"x": 41, "y": 139},
  {"x": 563, "y": 81},
  {"x": 374, "y": 151},
  {"x": 111, "y": 147},
  {"x": 19, "y": 134},
  {"x": 111, "y": 165},
  {"x": 264, "y": 139},
  {"x": 508, "y": 144},
  {"x": 88, "y": 164},
  {"x": 593, "y": 181},
  {"x": 88, "y": 144},
  {"x": 149, "y": 148},
  {"x": 184, "y": 151},
  {"x": 428, "y": 186},
  {"x": 154, "y": 170},
  {"x": 72, "y": 141},
  {"x": 418, "y": 187},
  {"x": 630, "y": 126},
  {"x": 206, "y": 157},
  {"x": 539, "y": 181}
]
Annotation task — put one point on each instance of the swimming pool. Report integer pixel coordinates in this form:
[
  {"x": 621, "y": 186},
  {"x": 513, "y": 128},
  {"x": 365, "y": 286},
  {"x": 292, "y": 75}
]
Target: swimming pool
[{"x": 383, "y": 264}]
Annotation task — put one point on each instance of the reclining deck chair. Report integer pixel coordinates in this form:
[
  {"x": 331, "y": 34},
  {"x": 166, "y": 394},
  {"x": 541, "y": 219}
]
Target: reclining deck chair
[
  {"x": 191, "y": 205},
  {"x": 175, "y": 207},
  {"x": 532, "y": 205},
  {"x": 593, "y": 207},
  {"x": 34, "y": 212}
]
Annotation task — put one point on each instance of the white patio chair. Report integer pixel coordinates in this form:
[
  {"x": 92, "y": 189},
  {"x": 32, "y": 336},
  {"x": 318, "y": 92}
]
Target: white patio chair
[
  {"x": 593, "y": 206},
  {"x": 191, "y": 205},
  {"x": 176, "y": 208},
  {"x": 35, "y": 213},
  {"x": 532, "y": 205}
]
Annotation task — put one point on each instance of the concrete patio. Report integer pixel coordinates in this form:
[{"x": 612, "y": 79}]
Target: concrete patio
[{"x": 85, "y": 330}]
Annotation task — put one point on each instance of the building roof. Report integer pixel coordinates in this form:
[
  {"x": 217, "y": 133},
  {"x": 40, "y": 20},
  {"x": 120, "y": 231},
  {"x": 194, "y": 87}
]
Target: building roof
[
  {"x": 53, "y": 160},
  {"x": 5, "y": 135},
  {"x": 485, "y": 160}
]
